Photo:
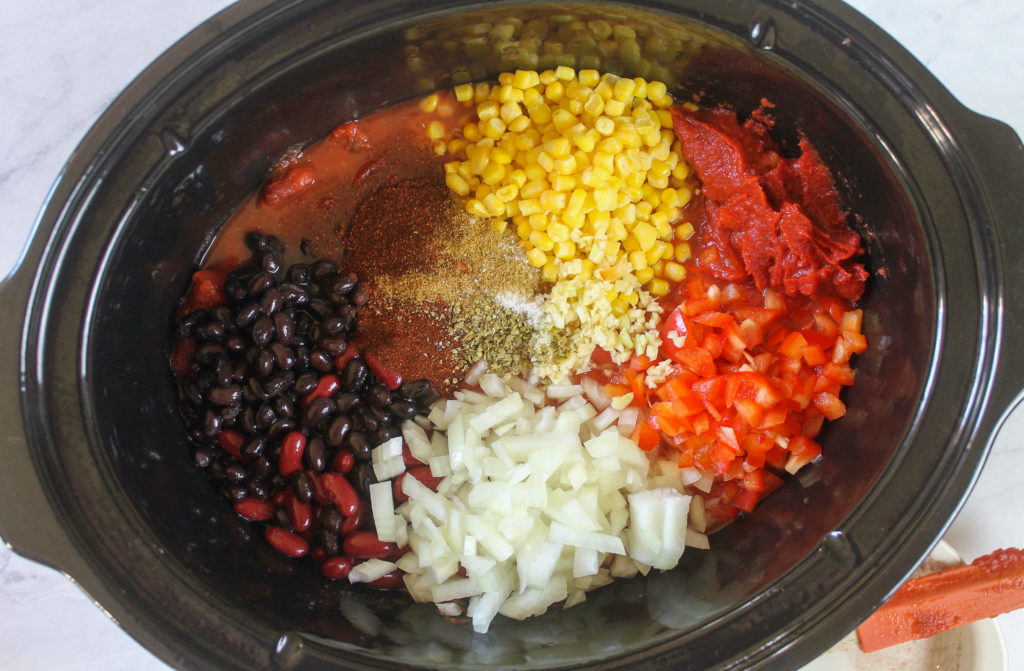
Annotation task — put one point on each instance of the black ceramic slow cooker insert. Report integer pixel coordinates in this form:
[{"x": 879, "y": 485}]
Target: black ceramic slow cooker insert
[{"x": 98, "y": 476}]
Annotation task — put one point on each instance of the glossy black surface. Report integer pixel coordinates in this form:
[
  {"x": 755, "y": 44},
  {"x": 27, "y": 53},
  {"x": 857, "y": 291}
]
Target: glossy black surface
[{"x": 132, "y": 520}]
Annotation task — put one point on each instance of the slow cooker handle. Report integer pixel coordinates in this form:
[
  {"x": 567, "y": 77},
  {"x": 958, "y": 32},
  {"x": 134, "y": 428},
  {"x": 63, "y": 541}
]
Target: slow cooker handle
[
  {"x": 998, "y": 155},
  {"x": 28, "y": 523}
]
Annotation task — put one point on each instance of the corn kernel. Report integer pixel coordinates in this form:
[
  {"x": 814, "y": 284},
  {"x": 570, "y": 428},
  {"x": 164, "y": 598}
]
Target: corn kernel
[
  {"x": 540, "y": 114},
  {"x": 519, "y": 124},
  {"x": 517, "y": 177},
  {"x": 528, "y": 206},
  {"x": 507, "y": 193},
  {"x": 564, "y": 73},
  {"x": 493, "y": 128},
  {"x": 524, "y": 79},
  {"x": 494, "y": 205},
  {"x": 554, "y": 91},
  {"x": 474, "y": 206},
  {"x": 464, "y": 93},
  {"x": 684, "y": 231},
  {"x": 558, "y": 232},
  {"x": 545, "y": 161},
  {"x": 533, "y": 188},
  {"x": 549, "y": 273},
  {"x": 645, "y": 235},
  {"x": 429, "y": 104},
  {"x": 558, "y": 147},
  {"x": 523, "y": 229},
  {"x": 456, "y": 146},
  {"x": 659, "y": 268},
  {"x": 563, "y": 182},
  {"x": 682, "y": 252},
  {"x": 536, "y": 258},
  {"x": 638, "y": 259},
  {"x": 565, "y": 250},
  {"x": 674, "y": 272},
  {"x": 562, "y": 119},
  {"x": 538, "y": 222},
  {"x": 542, "y": 241},
  {"x": 481, "y": 92},
  {"x": 620, "y": 305},
  {"x": 478, "y": 159},
  {"x": 574, "y": 219},
  {"x": 457, "y": 184},
  {"x": 644, "y": 275},
  {"x": 553, "y": 200},
  {"x": 659, "y": 287},
  {"x": 589, "y": 77}
]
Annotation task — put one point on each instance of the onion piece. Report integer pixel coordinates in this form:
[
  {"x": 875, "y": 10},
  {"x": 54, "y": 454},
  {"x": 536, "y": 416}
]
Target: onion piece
[{"x": 370, "y": 570}]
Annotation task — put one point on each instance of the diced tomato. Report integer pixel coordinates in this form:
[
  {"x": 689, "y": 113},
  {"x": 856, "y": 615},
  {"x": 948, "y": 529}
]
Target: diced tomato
[{"x": 601, "y": 357}]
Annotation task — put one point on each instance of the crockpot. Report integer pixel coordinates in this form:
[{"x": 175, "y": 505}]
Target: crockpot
[{"x": 97, "y": 471}]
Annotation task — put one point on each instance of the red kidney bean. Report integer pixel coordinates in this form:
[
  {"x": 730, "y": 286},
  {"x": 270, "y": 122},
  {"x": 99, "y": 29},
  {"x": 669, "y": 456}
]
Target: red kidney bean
[
  {"x": 366, "y": 545},
  {"x": 356, "y": 521},
  {"x": 391, "y": 378},
  {"x": 337, "y": 568},
  {"x": 318, "y": 554},
  {"x": 231, "y": 441},
  {"x": 300, "y": 515},
  {"x": 343, "y": 461},
  {"x": 392, "y": 580},
  {"x": 254, "y": 509},
  {"x": 292, "y": 446},
  {"x": 341, "y": 493},
  {"x": 286, "y": 542},
  {"x": 325, "y": 387}
]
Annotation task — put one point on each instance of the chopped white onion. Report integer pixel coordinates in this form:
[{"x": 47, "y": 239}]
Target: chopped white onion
[{"x": 370, "y": 570}]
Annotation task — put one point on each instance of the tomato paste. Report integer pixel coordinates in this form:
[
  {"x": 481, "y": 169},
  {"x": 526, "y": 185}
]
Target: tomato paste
[{"x": 775, "y": 219}]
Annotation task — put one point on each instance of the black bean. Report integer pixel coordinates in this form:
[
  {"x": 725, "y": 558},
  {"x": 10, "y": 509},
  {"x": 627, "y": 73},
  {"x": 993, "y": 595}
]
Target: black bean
[
  {"x": 262, "y": 331},
  {"x": 362, "y": 478},
  {"x": 265, "y": 416},
  {"x": 321, "y": 361},
  {"x": 257, "y": 490},
  {"x": 378, "y": 395},
  {"x": 225, "y": 395},
  {"x": 235, "y": 473},
  {"x": 355, "y": 376},
  {"x": 253, "y": 446},
  {"x": 427, "y": 398},
  {"x": 284, "y": 327},
  {"x": 301, "y": 358},
  {"x": 385, "y": 433},
  {"x": 208, "y": 352},
  {"x": 345, "y": 402},
  {"x": 247, "y": 314},
  {"x": 284, "y": 358},
  {"x": 264, "y": 363},
  {"x": 302, "y": 485},
  {"x": 255, "y": 390},
  {"x": 360, "y": 446},
  {"x": 190, "y": 389},
  {"x": 333, "y": 345},
  {"x": 317, "y": 411},
  {"x": 216, "y": 469},
  {"x": 205, "y": 378},
  {"x": 223, "y": 314},
  {"x": 259, "y": 283},
  {"x": 316, "y": 454},
  {"x": 410, "y": 388},
  {"x": 274, "y": 243},
  {"x": 281, "y": 427},
  {"x": 319, "y": 307},
  {"x": 332, "y": 325},
  {"x": 234, "y": 492},
  {"x": 234, "y": 343},
  {"x": 293, "y": 295},
  {"x": 190, "y": 321},
  {"x": 247, "y": 420},
  {"x": 230, "y": 413},
  {"x": 364, "y": 419},
  {"x": 271, "y": 301},
  {"x": 270, "y": 262},
  {"x": 360, "y": 295},
  {"x": 281, "y": 517},
  {"x": 330, "y": 543},
  {"x": 261, "y": 467},
  {"x": 202, "y": 456},
  {"x": 299, "y": 274},
  {"x": 322, "y": 269},
  {"x": 348, "y": 314},
  {"x": 285, "y": 405},
  {"x": 403, "y": 409},
  {"x": 255, "y": 241},
  {"x": 305, "y": 383},
  {"x": 337, "y": 431},
  {"x": 331, "y": 519},
  {"x": 233, "y": 290},
  {"x": 279, "y": 383}
]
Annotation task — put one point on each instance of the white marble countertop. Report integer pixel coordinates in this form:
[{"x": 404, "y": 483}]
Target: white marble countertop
[{"x": 65, "y": 60}]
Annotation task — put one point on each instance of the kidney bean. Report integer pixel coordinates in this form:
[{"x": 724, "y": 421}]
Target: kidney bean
[
  {"x": 325, "y": 387},
  {"x": 300, "y": 515},
  {"x": 366, "y": 545},
  {"x": 292, "y": 448},
  {"x": 319, "y": 493},
  {"x": 318, "y": 554},
  {"x": 286, "y": 542},
  {"x": 343, "y": 462},
  {"x": 392, "y": 580},
  {"x": 254, "y": 509},
  {"x": 231, "y": 441},
  {"x": 337, "y": 568},
  {"x": 409, "y": 460},
  {"x": 391, "y": 378},
  {"x": 341, "y": 493},
  {"x": 356, "y": 521}
]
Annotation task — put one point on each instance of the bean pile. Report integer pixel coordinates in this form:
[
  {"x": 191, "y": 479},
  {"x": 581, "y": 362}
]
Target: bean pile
[{"x": 284, "y": 412}]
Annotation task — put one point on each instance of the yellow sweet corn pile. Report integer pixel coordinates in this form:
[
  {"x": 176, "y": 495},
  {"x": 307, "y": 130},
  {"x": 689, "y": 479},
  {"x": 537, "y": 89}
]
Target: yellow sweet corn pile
[{"x": 586, "y": 168}]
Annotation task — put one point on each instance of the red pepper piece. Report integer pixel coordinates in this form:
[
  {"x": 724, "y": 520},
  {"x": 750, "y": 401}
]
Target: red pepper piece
[
  {"x": 341, "y": 493},
  {"x": 292, "y": 447},
  {"x": 389, "y": 377}
]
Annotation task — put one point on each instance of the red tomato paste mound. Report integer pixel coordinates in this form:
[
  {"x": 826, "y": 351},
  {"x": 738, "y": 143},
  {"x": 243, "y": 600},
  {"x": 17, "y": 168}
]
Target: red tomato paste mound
[{"x": 775, "y": 219}]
